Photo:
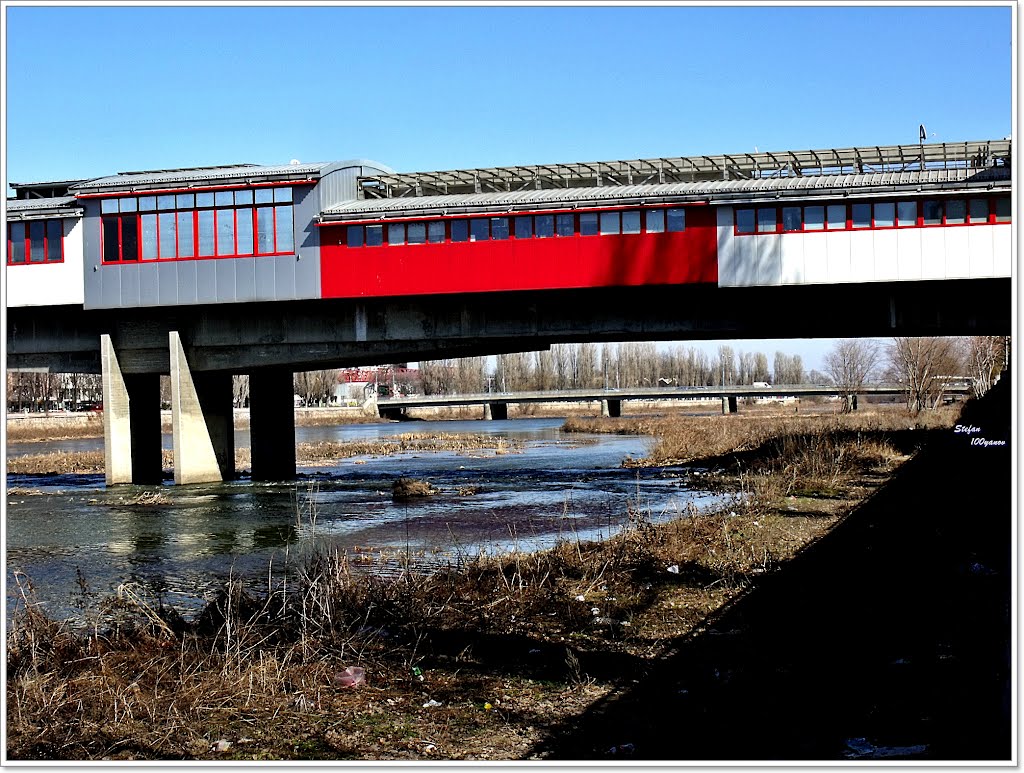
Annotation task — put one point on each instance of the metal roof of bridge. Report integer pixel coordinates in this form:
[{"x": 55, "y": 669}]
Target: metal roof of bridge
[
  {"x": 878, "y": 158},
  {"x": 713, "y": 190}
]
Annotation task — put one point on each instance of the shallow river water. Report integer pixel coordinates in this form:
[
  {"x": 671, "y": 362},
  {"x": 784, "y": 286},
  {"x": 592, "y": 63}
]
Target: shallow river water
[{"x": 555, "y": 486}]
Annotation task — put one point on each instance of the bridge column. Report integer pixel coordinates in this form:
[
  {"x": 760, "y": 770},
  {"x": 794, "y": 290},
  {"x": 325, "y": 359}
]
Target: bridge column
[
  {"x": 851, "y": 402},
  {"x": 202, "y": 417},
  {"x": 729, "y": 404},
  {"x": 495, "y": 411},
  {"x": 611, "y": 408},
  {"x": 131, "y": 422},
  {"x": 272, "y": 425}
]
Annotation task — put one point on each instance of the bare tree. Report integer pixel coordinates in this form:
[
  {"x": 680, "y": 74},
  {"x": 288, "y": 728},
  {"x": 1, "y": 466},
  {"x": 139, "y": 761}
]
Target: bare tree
[
  {"x": 240, "y": 390},
  {"x": 922, "y": 366},
  {"x": 850, "y": 364},
  {"x": 984, "y": 357}
]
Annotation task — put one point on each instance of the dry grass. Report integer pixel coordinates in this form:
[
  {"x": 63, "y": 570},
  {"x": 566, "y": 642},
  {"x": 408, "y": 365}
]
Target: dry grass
[{"x": 63, "y": 427}]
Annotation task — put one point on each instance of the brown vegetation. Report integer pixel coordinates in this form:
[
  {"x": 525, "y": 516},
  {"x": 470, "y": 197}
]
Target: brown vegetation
[{"x": 477, "y": 661}]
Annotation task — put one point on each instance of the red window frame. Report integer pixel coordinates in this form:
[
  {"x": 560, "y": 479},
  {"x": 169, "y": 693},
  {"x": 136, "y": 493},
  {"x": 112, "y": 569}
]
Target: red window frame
[{"x": 27, "y": 242}]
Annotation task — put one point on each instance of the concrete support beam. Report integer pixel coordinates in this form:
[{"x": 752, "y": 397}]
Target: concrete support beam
[
  {"x": 851, "y": 402},
  {"x": 202, "y": 417},
  {"x": 729, "y": 404},
  {"x": 611, "y": 408},
  {"x": 496, "y": 411},
  {"x": 395, "y": 414},
  {"x": 272, "y": 425},
  {"x": 131, "y": 422}
]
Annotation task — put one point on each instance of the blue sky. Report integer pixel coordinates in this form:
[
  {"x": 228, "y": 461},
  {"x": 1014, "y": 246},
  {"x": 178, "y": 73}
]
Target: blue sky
[{"x": 96, "y": 90}]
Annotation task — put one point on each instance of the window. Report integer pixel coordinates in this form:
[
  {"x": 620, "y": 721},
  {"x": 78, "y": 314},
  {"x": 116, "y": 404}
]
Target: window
[
  {"x": 885, "y": 215},
  {"x": 906, "y": 213},
  {"x": 460, "y": 230},
  {"x": 435, "y": 231},
  {"x": 524, "y": 227},
  {"x": 676, "y": 220},
  {"x": 284, "y": 229},
  {"x": 931, "y": 212},
  {"x": 499, "y": 227},
  {"x": 978, "y": 210},
  {"x": 186, "y": 234},
  {"x": 565, "y": 225},
  {"x": 631, "y": 221},
  {"x": 205, "y": 218},
  {"x": 744, "y": 221},
  {"x": 416, "y": 233},
  {"x": 791, "y": 219},
  {"x": 836, "y": 214},
  {"x": 861, "y": 215},
  {"x": 766, "y": 220},
  {"x": 956, "y": 212},
  {"x": 814, "y": 218},
  {"x": 1002, "y": 209},
  {"x": 168, "y": 237},
  {"x": 610, "y": 222},
  {"x": 354, "y": 236},
  {"x": 264, "y": 229},
  {"x": 120, "y": 238},
  {"x": 243, "y": 231},
  {"x": 374, "y": 235},
  {"x": 35, "y": 241},
  {"x": 396, "y": 233},
  {"x": 655, "y": 221},
  {"x": 479, "y": 230},
  {"x": 588, "y": 223},
  {"x": 544, "y": 226},
  {"x": 225, "y": 231}
]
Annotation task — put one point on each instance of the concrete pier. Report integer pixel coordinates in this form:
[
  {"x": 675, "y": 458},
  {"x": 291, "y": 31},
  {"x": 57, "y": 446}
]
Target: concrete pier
[
  {"x": 131, "y": 422},
  {"x": 611, "y": 408},
  {"x": 729, "y": 404},
  {"x": 272, "y": 425},
  {"x": 202, "y": 418},
  {"x": 495, "y": 411}
]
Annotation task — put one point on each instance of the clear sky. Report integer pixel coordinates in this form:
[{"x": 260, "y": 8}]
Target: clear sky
[{"x": 95, "y": 90}]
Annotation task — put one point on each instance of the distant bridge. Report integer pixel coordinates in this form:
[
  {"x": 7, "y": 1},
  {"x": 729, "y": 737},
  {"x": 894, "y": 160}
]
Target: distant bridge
[{"x": 496, "y": 403}]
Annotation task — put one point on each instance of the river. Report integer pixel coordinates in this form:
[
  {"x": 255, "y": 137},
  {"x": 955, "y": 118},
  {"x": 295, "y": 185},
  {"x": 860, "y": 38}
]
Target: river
[{"x": 77, "y": 539}]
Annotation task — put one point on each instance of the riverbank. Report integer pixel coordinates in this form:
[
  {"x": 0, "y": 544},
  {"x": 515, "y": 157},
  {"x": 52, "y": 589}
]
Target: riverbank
[{"x": 497, "y": 661}]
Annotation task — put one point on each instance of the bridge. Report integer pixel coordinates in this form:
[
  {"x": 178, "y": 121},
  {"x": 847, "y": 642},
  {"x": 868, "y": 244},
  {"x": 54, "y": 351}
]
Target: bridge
[
  {"x": 206, "y": 272},
  {"x": 495, "y": 404}
]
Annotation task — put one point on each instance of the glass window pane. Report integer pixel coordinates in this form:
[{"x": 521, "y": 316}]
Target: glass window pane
[
  {"x": 243, "y": 228},
  {"x": 479, "y": 230},
  {"x": 435, "y": 231},
  {"x": 524, "y": 227},
  {"x": 396, "y": 233},
  {"x": 610, "y": 222},
  {"x": 111, "y": 240},
  {"x": 205, "y": 232},
  {"x": 956, "y": 211},
  {"x": 147, "y": 203},
  {"x": 588, "y": 223},
  {"x": 374, "y": 235},
  {"x": 37, "y": 243},
  {"x": 129, "y": 239},
  {"x": 565, "y": 225},
  {"x": 165, "y": 202},
  {"x": 283, "y": 195},
  {"x": 499, "y": 227},
  {"x": 744, "y": 221},
  {"x": 676, "y": 220},
  {"x": 979, "y": 210},
  {"x": 204, "y": 199},
  {"x": 354, "y": 237},
  {"x": 906, "y": 212},
  {"x": 460, "y": 230},
  {"x": 264, "y": 195},
  {"x": 791, "y": 220},
  {"x": 185, "y": 237},
  {"x": 108, "y": 205},
  {"x": 544, "y": 226},
  {"x": 1002, "y": 209},
  {"x": 285, "y": 229},
  {"x": 814, "y": 218},
  {"x": 931, "y": 212},
  {"x": 185, "y": 201},
  {"x": 225, "y": 231},
  {"x": 631, "y": 221},
  {"x": 224, "y": 198},
  {"x": 655, "y": 221},
  {"x": 836, "y": 216},
  {"x": 149, "y": 237},
  {"x": 885, "y": 215},
  {"x": 54, "y": 241},
  {"x": 861, "y": 215},
  {"x": 17, "y": 237},
  {"x": 417, "y": 233},
  {"x": 766, "y": 220},
  {"x": 265, "y": 230},
  {"x": 129, "y": 204},
  {"x": 168, "y": 238},
  {"x": 243, "y": 197}
]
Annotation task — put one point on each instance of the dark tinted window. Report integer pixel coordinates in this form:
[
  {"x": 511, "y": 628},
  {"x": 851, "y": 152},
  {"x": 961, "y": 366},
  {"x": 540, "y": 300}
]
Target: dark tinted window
[
  {"x": 631, "y": 221},
  {"x": 499, "y": 227},
  {"x": 676, "y": 219},
  {"x": 129, "y": 239},
  {"x": 744, "y": 221},
  {"x": 861, "y": 214},
  {"x": 417, "y": 233},
  {"x": 111, "y": 246},
  {"x": 956, "y": 211},
  {"x": 355, "y": 236},
  {"x": 435, "y": 231},
  {"x": 37, "y": 245},
  {"x": 54, "y": 240},
  {"x": 588, "y": 223},
  {"x": 460, "y": 230},
  {"x": 931, "y": 212},
  {"x": 479, "y": 230},
  {"x": 374, "y": 235},
  {"x": 544, "y": 226},
  {"x": 885, "y": 214},
  {"x": 791, "y": 220},
  {"x": 1003, "y": 209},
  {"x": 979, "y": 210},
  {"x": 564, "y": 225},
  {"x": 766, "y": 220},
  {"x": 610, "y": 222},
  {"x": 396, "y": 233},
  {"x": 17, "y": 231},
  {"x": 524, "y": 227},
  {"x": 655, "y": 221},
  {"x": 906, "y": 213}
]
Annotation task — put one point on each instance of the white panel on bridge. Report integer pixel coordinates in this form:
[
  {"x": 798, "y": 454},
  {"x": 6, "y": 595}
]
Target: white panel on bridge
[
  {"x": 908, "y": 253},
  {"x": 933, "y": 253},
  {"x": 792, "y": 260},
  {"x": 50, "y": 284},
  {"x": 958, "y": 257},
  {"x": 815, "y": 258},
  {"x": 863, "y": 259},
  {"x": 769, "y": 263},
  {"x": 982, "y": 246},
  {"x": 728, "y": 250},
  {"x": 886, "y": 255},
  {"x": 1003, "y": 251},
  {"x": 837, "y": 246}
]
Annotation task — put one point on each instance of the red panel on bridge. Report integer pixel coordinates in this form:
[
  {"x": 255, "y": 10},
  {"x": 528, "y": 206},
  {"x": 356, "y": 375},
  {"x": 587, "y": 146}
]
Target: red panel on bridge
[{"x": 685, "y": 257}]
